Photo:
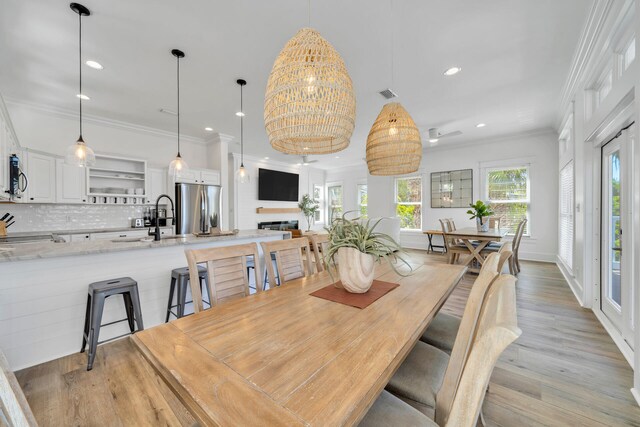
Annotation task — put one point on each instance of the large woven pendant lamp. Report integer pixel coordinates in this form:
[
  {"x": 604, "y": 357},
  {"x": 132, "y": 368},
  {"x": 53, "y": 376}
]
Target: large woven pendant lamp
[
  {"x": 309, "y": 105},
  {"x": 394, "y": 146}
]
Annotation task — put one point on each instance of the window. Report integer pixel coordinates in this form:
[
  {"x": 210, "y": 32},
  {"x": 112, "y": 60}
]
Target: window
[
  {"x": 362, "y": 199},
  {"x": 629, "y": 54},
  {"x": 508, "y": 193},
  {"x": 335, "y": 202},
  {"x": 565, "y": 243},
  {"x": 409, "y": 202},
  {"x": 317, "y": 195}
]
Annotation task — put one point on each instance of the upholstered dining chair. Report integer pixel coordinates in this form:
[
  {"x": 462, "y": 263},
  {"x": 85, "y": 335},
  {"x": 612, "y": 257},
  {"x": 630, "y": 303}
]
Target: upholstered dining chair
[
  {"x": 14, "y": 408},
  {"x": 459, "y": 398},
  {"x": 227, "y": 273},
  {"x": 292, "y": 259},
  {"x": 505, "y": 251},
  {"x": 319, "y": 245},
  {"x": 516, "y": 244},
  {"x": 494, "y": 222},
  {"x": 443, "y": 329},
  {"x": 428, "y": 374}
]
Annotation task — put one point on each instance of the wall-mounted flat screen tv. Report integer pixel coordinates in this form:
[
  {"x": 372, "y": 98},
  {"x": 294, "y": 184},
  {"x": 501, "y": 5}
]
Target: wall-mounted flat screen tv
[{"x": 277, "y": 185}]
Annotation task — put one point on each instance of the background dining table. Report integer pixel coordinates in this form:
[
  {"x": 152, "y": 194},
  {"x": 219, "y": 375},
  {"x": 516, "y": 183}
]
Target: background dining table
[
  {"x": 284, "y": 357},
  {"x": 476, "y": 241}
]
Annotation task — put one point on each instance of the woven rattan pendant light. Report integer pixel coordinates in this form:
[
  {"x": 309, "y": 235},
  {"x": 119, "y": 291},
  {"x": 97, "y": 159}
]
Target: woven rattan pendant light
[
  {"x": 309, "y": 105},
  {"x": 394, "y": 146}
]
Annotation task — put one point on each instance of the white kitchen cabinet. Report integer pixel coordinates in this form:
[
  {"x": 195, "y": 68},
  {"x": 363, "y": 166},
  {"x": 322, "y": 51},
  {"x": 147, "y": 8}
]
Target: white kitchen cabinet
[
  {"x": 189, "y": 176},
  {"x": 80, "y": 237},
  {"x": 41, "y": 171},
  {"x": 199, "y": 176},
  {"x": 157, "y": 184},
  {"x": 129, "y": 234},
  {"x": 210, "y": 177},
  {"x": 70, "y": 183}
]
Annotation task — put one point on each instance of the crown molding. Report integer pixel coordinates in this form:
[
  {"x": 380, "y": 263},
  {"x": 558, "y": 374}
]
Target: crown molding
[
  {"x": 101, "y": 121},
  {"x": 591, "y": 34}
]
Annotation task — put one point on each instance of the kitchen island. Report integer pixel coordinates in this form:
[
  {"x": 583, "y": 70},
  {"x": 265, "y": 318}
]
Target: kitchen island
[{"x": 43, "y": 288}]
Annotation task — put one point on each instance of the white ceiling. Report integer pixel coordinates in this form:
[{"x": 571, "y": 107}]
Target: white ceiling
[{"x": 515, "y": 56}]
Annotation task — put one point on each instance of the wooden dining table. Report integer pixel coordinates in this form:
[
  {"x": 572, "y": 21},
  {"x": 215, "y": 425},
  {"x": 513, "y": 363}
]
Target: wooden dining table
[
  {"x": 284, "y": 357},
  {"x": 476, "y": 241}
]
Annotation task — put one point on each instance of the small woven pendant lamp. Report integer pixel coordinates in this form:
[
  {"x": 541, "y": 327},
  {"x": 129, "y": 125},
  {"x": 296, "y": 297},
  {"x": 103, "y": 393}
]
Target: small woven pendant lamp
[
  {"x": 309, "y": 105},
  {"x": 394, "y": 146}
]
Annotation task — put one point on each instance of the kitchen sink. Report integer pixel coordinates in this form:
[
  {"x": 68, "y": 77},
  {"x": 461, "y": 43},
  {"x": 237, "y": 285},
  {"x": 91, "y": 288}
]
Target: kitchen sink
[{"x": 36, "y": 238}]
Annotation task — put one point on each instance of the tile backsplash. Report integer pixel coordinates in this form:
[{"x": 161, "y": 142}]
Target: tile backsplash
[{"x": 59, "y": 217}]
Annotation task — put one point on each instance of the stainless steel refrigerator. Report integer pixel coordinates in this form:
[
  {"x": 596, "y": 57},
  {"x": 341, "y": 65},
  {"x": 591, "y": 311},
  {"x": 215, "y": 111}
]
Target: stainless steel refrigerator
[{"x": 198, "y": 208}]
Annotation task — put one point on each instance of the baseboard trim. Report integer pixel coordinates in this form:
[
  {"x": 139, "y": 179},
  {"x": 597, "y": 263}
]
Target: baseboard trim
[
  {"x": 573, "y": 284},
  {"x": 622, "y": 345},
  {"x": 636, "y": 394}
]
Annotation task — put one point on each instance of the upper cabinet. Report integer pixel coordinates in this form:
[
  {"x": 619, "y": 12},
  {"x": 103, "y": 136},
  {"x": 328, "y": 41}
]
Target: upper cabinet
[
  {"x": 41, "y": 171},
  {"x": 199, "y": 176},
  {"x": 70, "y": 183},
  {"x": 156, "y": 184},
  {"x": 8, "y": 145}
]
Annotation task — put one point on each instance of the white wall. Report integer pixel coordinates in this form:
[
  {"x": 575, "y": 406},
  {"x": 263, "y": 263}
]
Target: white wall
[
  {"x": 245, "y": 196},
  {"x": 53, "y": 131},
  {"x": 539, "y": 149}
]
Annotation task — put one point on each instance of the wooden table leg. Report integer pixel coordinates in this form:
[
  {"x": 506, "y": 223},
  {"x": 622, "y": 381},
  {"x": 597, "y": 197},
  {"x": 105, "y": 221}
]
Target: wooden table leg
[{"x": 475, "y": 250}]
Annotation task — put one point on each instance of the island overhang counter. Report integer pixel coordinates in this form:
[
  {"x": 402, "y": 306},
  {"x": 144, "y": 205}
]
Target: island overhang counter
[{"x": 43, "y": 288}]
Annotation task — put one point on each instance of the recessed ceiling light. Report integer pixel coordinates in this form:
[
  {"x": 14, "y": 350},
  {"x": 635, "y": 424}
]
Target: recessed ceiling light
[
  {"x": 481, "y": 125},
  {"x": 240, "y": 114},
  {"x": 433, "y": 140},
  {"x": 266, "y": 158},
  {"x": 337, "y": 157},
  {"x": 298, "y": 164},
  {"x": 452, "y": 71},
  {"x": 208, "y": 129},
  {"x": 83, "y": 96},
  {"x": 95, "y": 65}
]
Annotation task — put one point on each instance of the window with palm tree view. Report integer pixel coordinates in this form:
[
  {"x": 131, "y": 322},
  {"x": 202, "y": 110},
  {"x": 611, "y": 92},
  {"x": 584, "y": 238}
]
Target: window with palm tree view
[
  {"x": 335, "y": 201},
  {"x": 362, "y": 199},
  {"x": 409, "y": 202},
  {"x": 508, "y": 193}
]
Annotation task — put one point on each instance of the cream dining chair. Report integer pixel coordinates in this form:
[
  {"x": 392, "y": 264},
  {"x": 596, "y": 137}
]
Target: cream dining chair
[
  {"x": 14, "y": 408},
  {"x": 227, "y": 273},
  {"x": 443, "y": 329},
  {"x": 292, "y": 259},
  {"x": 459, "y": 399}
]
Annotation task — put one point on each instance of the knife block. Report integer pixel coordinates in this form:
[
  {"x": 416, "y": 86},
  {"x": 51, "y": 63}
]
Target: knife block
[{"x": 3, "y": 229}]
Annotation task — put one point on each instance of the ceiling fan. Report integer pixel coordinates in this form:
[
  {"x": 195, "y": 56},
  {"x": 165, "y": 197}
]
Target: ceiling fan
[
  {"x": 306, "y": 161},
  {"x": 435, "y": 135}
]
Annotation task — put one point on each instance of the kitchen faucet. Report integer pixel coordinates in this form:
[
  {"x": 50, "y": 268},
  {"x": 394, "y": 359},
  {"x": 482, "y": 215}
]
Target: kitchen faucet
[{"x": 156, "y": 232}]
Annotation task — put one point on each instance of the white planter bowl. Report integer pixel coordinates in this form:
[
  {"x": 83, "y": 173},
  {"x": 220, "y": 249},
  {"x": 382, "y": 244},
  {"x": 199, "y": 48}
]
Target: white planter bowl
[{"x": 356, "y": 270}]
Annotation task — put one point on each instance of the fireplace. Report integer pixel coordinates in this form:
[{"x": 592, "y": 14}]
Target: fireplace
[{"x": 278, "y": 225}]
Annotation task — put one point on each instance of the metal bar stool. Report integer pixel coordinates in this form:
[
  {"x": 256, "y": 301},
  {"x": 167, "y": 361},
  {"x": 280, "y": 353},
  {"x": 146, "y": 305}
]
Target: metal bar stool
[
  {"x": 98, "y": 293},
  {"x": 180, "y": 280},
  {"x": 265, "y": 281}
]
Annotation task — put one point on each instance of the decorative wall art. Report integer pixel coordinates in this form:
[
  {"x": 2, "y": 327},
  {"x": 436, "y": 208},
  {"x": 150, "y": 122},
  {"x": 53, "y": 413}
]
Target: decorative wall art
[{"x": 452, "y": 189}]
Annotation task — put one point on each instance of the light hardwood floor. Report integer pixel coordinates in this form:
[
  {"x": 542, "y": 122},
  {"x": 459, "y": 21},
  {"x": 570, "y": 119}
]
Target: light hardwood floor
[{"x": 563, "y": 371}]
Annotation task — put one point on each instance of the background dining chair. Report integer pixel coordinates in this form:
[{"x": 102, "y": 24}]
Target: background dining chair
[
  {"x": 453, "y": 248},
  {"x": 290, "y": 259},
  {"x": 14, "y": 408},
  {"x": 494, "y": 222},
  {"x": 427, "y": 369},
  {"x": 443, "y": 329},
  {"x": 227, "y": 273},
  {"x": 505, "y": 251},
  {"x": 319, "y": 246},
  {"x": 516, "y": 244},
  {"x": 461, "y": 405}
]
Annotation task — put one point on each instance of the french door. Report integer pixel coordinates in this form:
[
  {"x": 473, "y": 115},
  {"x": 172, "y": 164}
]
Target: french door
[{"x": 617, "y": 241}]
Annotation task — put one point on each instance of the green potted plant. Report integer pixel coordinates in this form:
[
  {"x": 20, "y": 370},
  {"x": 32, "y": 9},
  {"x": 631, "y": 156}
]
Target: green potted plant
[
  {"x": 309, "y": 207},
  {"x": 355, "y": 246},
  {"x": 481, "y": 213}
]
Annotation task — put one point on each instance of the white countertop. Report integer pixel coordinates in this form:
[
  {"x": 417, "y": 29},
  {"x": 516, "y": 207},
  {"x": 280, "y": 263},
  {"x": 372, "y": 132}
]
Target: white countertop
[{"x": 39, "y": 250}]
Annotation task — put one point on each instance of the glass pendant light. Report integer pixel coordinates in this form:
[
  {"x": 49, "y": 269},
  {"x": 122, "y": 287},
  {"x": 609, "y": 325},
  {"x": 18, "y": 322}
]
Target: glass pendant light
[
  {"x": 178, "y": 165},
  {"x": 79, "y": 154},
  {"x": 242, "y": 175}
]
